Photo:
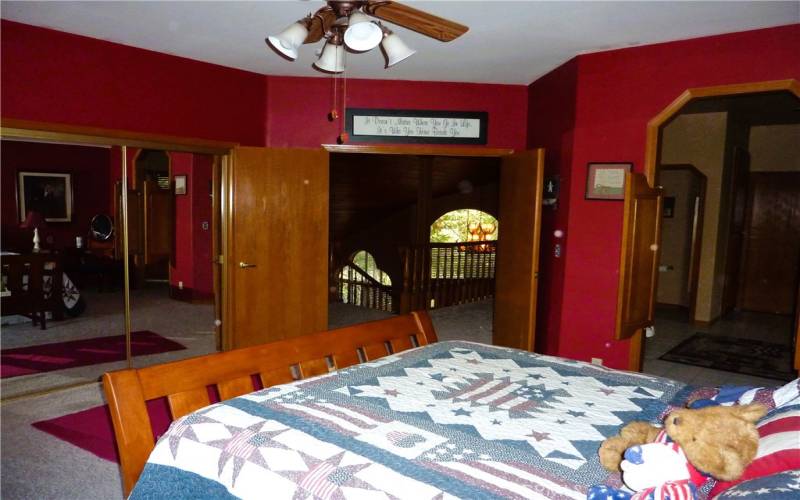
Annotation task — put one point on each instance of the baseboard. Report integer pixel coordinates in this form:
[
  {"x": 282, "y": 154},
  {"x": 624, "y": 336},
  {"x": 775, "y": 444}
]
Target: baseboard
[
  {"x": 664, "y": 305},
  {"x": 190, "y": 295},
  {"x": 705, "y": 325}
]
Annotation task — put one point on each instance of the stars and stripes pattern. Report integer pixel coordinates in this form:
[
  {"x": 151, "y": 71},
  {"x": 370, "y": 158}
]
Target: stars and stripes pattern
[{"x": 450, "y": 420}]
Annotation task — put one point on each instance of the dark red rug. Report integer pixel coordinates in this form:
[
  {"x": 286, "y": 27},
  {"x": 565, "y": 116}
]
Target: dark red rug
[
  {"x": 92, "y": 429},
  {"x": 61, "y": 355}
]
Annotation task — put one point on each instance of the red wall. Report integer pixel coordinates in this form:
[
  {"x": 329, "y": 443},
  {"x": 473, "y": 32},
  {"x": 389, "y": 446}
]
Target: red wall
[
  {"x": 617, "y": 92},
  {"x": 53, "y": 76},
  {"x": 551, "y": 120},
  {"x": 181, "y": 164},
  {"x": 90, "y": 177},
  {"x": 58, "y": 77},
  {"x": 193, "y": 243},
  {"x": 297, "y": 108}
]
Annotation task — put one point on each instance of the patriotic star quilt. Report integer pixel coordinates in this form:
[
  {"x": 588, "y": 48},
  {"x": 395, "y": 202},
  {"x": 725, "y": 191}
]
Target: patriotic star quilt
[{"x": 449, "y": 420}]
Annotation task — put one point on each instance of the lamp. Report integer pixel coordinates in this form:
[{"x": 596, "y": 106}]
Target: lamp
[
  {"x": 290, "y": 39},
  {"x": 332, "y": 58},
  {"x": 394, "y": 48},
  {"x": 362, "y": 34},
  {"x": 349, "y": 25}
]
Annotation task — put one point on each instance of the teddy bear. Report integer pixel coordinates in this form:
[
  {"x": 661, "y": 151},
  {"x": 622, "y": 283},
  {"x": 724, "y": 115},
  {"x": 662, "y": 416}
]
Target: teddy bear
[{"x": 717, "y": 441}]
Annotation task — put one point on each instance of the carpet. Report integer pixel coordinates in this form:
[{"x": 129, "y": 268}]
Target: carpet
[
  {"x": 733, "y": 354},
  {"x": 93, "y": 431},
  {"x": 61, "y": 355}
]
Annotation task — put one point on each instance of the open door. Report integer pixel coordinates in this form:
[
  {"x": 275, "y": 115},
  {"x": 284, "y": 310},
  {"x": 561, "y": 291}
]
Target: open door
[
  {"x": 277, "y": 245},
  {"x": 135, "y": 230},
  {"x": 517, "y": 275},
  {"x": 159, "y": 230},
  {"x": 638, "y": 269}
]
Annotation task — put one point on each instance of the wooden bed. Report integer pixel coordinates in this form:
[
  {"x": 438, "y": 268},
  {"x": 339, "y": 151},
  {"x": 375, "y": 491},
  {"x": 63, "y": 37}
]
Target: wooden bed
[{"x": 185, "y": 383}]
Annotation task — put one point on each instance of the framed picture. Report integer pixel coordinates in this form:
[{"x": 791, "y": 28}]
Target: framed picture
[
  {"x": 180, "y": 184},
  {"x": 48, "y": 193},
  {"x": 417, "y": 126},
  {"x": 606, "y": 181}
]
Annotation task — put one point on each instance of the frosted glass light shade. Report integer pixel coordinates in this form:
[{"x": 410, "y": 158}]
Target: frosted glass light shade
[
  {"x": 362, "y": 34},
  {"x": 289, "y": 40},
  {"x": 396, "y": 50},
  {"x": 332, "y": 59}
]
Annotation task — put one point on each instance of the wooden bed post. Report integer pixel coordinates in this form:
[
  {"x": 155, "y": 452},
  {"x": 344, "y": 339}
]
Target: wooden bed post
[{"x": 132, "y": 426}]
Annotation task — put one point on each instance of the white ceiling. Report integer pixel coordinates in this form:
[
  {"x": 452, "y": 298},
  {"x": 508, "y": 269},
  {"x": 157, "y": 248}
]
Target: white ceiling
[{"x": 508, "y": 42}]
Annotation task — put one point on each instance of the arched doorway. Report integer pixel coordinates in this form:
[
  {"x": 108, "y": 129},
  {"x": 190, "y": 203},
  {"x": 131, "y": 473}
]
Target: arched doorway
[{"x": 639, "y": 269}]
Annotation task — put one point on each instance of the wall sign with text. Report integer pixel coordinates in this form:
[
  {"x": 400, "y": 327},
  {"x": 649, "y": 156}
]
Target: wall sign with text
[{"x": 417, "y": 126}]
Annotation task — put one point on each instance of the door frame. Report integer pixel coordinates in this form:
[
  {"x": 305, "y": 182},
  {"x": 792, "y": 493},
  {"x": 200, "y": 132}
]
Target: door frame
[
  {"x": 461, "y": 151},
  {"x": 653, "y": 148}
]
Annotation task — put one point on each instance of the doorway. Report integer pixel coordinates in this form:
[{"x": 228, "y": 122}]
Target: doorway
[
  {"x": 400, "y": 239},
  {"x": 293, "y": 261},
  {"x": 737, "y": 323}
]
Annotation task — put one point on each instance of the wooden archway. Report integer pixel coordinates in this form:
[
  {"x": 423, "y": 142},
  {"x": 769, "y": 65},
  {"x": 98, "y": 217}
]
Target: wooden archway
[
  {"x": 652, "y": 147},
  {"x": 654, "y": 125}
]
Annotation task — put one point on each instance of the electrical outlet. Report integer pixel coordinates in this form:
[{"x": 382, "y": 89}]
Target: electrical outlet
[
  {"x": 597, "y": 361},
  {"x": 180, "y": 285}
]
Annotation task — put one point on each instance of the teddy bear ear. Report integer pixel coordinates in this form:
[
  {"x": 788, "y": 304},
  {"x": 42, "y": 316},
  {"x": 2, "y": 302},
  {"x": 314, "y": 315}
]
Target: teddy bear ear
[{"x": 752, "y": 412}]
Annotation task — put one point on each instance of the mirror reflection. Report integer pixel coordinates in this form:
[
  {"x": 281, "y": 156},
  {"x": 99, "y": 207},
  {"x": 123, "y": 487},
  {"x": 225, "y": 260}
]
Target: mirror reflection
[
  {"x": 62, "y": 307},
  {"x": 170, "y": 235}
]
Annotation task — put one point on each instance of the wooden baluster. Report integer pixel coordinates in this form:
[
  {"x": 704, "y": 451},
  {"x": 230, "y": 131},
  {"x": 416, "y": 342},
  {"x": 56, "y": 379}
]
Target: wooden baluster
[{"x": 404, "y": 305}]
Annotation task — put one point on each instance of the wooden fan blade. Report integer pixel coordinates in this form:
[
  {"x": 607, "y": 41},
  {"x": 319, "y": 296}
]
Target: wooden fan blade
[
  {"x": 321, "y": 21},
  {"x": 417, "y": 20}
]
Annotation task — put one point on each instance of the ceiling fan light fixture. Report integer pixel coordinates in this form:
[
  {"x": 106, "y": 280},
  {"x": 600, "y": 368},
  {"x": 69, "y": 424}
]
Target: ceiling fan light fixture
[
  {"x": 395, "y": 49},
  {"x": 332, "y": 58},
  {"x": 362, "y": 33},
  {"x": 289, "y": 40}
]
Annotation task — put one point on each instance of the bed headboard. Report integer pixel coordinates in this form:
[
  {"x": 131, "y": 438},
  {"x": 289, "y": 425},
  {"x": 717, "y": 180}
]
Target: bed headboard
[{"x": 185, "y": 383}]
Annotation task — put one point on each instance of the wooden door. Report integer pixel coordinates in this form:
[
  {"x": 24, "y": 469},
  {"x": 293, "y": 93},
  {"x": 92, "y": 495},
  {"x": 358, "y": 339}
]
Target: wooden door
[
  {"x": 736, "y": 237},
  {"x": 517, "y": 274},
  {"x": 277, "y": 245},
  {"x": 772, "y": 245},
  {"x": 159, "y": 230},
  {"x": 638, "y": 270},
  {"x": 135, "y": 232}
]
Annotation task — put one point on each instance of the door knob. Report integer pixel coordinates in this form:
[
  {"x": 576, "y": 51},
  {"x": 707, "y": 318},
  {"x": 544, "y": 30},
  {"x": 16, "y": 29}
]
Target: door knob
[{"x": 245, "y": 265}]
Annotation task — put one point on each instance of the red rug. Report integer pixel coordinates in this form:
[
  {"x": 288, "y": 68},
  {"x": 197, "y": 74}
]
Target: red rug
[
  {"x": 93, "y": 431},
  {"x": 61, "y": 355}
]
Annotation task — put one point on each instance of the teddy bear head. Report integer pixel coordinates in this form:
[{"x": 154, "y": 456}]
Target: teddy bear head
[{"x": 718, "y": 440}]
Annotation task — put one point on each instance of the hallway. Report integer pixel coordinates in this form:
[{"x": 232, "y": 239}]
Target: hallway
[{"x": 673, "y": 327}]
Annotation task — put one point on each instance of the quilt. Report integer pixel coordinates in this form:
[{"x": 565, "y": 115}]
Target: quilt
[{"x": 448, "y": 420}]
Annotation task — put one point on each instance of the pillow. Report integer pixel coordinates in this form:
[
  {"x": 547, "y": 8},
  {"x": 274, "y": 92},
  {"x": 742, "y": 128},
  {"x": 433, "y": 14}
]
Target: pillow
[
  {"x": 728, "y": 395},
  {"x": 778, "y": 444},
  {"x": 780, "y": 486}
]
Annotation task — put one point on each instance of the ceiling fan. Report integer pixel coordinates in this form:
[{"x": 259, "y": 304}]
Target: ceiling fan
[{"x": 350, "y": 26}]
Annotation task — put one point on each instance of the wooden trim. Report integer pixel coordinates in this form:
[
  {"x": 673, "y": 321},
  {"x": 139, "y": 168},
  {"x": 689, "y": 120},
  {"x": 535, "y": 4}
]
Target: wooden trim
[
  {"x": 415, "y": 149},
  {"x": 654, "y": 125},
  {"x": 185, "y": 382},
  {"x": 226, "y": 248},
  {"x": 636, "y": 351},
  {"x": 60, "y": 132},
  {"x": 216, "y": 247}
]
